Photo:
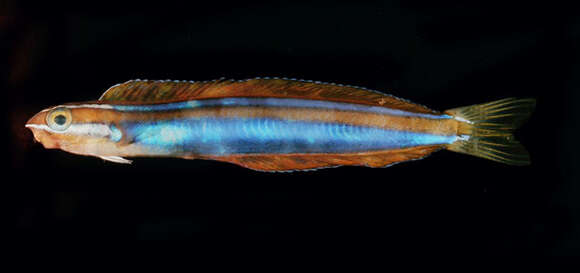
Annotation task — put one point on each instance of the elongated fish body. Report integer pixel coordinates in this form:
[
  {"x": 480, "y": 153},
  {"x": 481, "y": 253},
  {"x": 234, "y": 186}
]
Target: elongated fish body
[{"x": 275, "y": 125}]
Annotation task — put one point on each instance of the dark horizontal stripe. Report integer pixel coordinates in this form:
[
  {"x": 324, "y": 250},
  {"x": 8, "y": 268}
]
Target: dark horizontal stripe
[{"x": 273, "y": 102}]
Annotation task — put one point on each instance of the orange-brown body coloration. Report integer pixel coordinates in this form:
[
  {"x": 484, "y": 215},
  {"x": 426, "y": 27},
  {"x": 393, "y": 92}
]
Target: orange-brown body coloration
[{"x": 106, "y": 128}]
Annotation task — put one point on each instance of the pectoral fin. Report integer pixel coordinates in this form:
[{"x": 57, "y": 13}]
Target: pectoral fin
[{"x": 116, "y": 159}]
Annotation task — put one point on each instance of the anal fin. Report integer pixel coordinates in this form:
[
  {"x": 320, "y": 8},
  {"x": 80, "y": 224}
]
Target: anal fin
[{"x": 292, "y": 162}]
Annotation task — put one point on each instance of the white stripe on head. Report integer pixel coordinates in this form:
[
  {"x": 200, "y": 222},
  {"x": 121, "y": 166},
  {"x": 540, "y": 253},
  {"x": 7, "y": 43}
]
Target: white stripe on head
[
  {"x": 87, "y": 129},
  {"x": 73, "y": 106},
  {"x": 92, "y": 106}
]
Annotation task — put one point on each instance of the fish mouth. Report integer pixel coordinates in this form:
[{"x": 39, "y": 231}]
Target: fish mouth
[
  {"x": 39, "y": 131},
  {"x": 30, "y": 122},
  {"x": 35, "y": 126},
  {"x": 36, "y": 121}
]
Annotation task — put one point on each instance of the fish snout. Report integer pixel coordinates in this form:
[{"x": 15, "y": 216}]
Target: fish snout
[
  {"x": 37, "y": 126},
  {"x": 36, "y": 121}
]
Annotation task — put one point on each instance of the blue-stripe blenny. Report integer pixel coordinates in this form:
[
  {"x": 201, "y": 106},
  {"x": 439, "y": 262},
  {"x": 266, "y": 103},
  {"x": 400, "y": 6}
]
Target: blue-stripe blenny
[{"x": 273, "y": 124}]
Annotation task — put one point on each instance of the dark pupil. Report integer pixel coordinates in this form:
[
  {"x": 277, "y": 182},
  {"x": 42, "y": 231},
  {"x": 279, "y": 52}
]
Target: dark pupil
[{"x": 60, "y": 119}]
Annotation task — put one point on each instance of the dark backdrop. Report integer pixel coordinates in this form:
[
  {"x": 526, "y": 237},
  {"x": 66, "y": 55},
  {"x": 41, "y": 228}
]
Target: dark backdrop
[{"x": 439, "y": 56}]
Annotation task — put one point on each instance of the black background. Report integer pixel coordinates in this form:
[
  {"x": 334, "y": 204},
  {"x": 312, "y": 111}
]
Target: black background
[{"x": 440, "y": 56}]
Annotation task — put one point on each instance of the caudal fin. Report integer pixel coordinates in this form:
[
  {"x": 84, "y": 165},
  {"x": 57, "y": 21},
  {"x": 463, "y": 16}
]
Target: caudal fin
[{"x": 486, "y": 130}]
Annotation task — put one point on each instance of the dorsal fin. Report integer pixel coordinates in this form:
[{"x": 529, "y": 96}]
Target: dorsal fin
[{"x": 144, "y": 91}]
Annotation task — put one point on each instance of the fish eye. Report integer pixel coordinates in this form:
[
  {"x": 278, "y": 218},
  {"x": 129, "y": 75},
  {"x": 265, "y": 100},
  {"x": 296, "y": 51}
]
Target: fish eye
[{"x": 59, "y": 119}]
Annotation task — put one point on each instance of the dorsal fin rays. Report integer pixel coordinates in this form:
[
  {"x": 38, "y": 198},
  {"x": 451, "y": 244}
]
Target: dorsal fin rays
[
  {"x": 148, "y": 90},
  {"x": 145, "y": 91}
]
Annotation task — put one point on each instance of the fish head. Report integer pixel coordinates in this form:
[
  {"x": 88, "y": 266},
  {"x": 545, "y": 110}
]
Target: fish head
[{"x": 75, "y": 129}]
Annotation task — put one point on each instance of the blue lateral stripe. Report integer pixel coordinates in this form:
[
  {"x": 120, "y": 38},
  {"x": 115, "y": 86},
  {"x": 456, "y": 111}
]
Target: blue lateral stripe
[
  {"x": 227, "y": 136},
  {"x": 274, "y": 102}
]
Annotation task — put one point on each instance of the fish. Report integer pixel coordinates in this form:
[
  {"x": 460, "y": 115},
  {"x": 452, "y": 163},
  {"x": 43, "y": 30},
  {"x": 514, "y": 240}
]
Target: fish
[{"x": 277, "y": 125}]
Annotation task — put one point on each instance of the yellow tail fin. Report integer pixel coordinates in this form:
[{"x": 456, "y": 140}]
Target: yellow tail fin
[{"x": 486, "y": 130}]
